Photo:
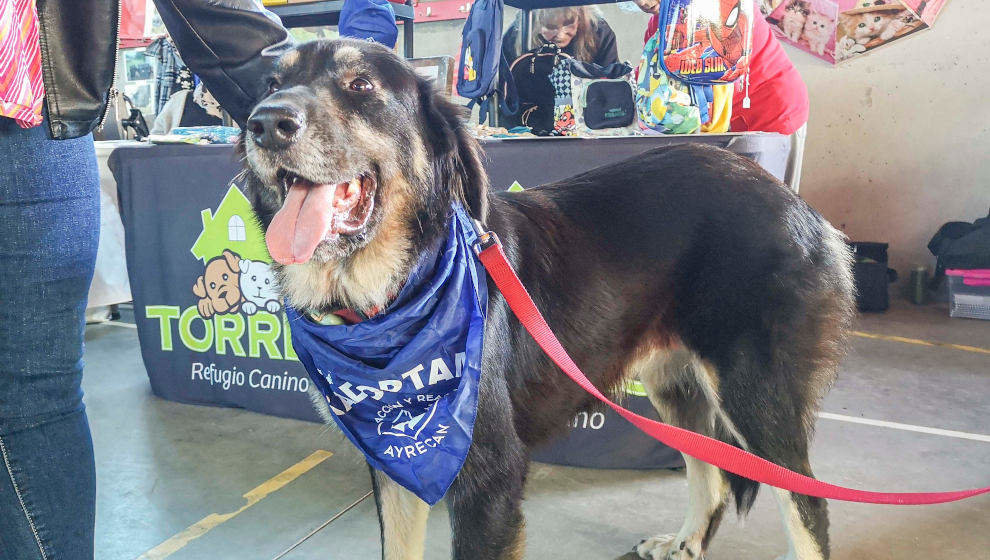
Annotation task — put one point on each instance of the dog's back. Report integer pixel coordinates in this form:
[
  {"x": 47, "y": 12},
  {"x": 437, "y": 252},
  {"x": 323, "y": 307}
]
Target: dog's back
[{"x": 696, "y": 270}]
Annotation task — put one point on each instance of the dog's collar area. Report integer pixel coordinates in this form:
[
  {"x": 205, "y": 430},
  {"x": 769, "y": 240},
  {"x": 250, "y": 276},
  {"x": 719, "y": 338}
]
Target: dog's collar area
[
  {"x": 348, "y": 316},
  {"x": 486, "y": 239},
  {"x": 420, "y": 362},
  {"x": 352, "y": 316}
]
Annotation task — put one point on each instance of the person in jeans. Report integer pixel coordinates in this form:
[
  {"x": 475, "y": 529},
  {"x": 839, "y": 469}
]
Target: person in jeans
[{"x": 56, "y": 63}]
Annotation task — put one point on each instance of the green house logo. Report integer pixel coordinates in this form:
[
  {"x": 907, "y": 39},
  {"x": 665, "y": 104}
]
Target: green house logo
[
  {"x": 238, "y": 310},
  {"x": 237, "y": 275},
  {"x": 233, "y": 227}
]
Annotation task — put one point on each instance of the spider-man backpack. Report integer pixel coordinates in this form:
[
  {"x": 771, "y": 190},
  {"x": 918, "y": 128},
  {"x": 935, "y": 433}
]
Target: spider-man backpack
[
  {"x": 698, "y": 44},
  {"x": 706, "y": 42}
]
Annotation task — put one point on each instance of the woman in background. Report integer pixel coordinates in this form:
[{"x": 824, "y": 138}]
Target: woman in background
[
  {"x": 778, "y": 96},
  {"x": 579, "y": 31}
]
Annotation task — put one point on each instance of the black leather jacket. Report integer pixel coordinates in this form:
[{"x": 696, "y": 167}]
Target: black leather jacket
[{"x": 230, "y": 44}]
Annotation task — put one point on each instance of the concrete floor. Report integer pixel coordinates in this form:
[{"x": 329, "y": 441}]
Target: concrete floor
[{"x": 163, "y": 467}]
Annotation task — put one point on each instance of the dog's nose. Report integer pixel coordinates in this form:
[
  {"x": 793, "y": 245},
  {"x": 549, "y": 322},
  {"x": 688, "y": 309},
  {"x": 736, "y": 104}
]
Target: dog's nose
[{"x": 275, "y": 127}]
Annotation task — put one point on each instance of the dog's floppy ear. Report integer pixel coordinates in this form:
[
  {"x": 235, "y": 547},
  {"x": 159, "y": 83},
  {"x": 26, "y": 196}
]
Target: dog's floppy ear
[
  {"x": 233, "y": 260},
  {"x": 456, "y": 154}
]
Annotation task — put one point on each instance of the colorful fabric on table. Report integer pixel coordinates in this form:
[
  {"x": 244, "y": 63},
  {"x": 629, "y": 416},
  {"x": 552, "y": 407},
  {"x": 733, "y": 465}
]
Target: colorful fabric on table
[
  {"x": 721, "y": 109},
  {"x": 22, "y": 91},
  {"x": 664, "y": 105},
  {"x": 593, "y": 100}
]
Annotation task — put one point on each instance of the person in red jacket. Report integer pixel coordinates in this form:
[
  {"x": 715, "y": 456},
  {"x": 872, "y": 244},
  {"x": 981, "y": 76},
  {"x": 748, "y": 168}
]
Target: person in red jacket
[{"x": 778, "y": 96}]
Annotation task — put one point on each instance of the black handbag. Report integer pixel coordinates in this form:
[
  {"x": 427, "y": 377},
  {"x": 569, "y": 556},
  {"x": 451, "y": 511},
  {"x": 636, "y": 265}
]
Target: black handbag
[
  {"x": 608, "y": 99},
  {"x": 531, "y": 74}
]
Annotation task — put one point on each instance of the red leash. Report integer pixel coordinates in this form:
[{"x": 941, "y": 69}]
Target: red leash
[{"x": 722, "y": 455}]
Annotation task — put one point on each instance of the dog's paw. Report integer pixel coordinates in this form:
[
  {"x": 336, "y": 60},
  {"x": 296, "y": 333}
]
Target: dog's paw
[
  {"x": 666, "y": 547},
  {"x": 205, "y": 307}
]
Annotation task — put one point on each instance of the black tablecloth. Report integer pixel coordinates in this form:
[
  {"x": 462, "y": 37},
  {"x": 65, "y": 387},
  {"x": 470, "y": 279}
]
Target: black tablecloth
[{"x": 181, "y": 210}]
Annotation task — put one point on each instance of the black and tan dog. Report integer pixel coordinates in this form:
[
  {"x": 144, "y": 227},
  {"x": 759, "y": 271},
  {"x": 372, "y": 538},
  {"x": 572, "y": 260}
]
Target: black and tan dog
[{"x": 689, "y": 267}]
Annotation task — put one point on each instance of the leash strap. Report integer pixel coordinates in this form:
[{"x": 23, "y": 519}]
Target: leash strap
[{"x": 720, "y": 454}]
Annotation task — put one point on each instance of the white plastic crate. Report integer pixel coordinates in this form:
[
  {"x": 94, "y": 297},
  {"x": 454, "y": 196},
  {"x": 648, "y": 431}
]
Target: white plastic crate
[{"x": 968, "y": 301}]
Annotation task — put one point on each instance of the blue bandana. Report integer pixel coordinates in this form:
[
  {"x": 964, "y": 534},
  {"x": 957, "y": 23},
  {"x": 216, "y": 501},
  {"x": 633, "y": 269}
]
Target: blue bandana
[{"x": 403, "y": 385}]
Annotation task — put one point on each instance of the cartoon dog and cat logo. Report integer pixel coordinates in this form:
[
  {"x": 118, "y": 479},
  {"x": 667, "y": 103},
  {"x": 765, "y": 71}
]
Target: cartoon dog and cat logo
[{"x": 237, "y": 275}]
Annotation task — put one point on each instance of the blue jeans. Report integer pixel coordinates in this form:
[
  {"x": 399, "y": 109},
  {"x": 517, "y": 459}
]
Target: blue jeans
[{"x": 49, "y": 230}]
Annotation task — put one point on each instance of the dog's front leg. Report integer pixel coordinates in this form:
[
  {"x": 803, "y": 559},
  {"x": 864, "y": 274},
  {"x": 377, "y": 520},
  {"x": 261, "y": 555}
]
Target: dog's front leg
[
  {"x": 485, "y": 500},
  {"x": 402, "y": 517},
  {"x": 487, "y": 521}
]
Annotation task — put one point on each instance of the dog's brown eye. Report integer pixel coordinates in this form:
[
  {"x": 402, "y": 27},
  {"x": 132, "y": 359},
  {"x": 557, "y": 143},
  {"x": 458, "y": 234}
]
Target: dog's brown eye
[
  {"x": 272, "y": 86},
  {"x": 360, "y": 84}
]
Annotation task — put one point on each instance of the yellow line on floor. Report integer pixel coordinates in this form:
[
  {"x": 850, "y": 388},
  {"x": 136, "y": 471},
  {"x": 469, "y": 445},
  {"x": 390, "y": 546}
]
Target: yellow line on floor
[
  {"x": 117, "y": 324},
  {"x": 208, "y": 523},
  {"x": 920, "y": 342}
]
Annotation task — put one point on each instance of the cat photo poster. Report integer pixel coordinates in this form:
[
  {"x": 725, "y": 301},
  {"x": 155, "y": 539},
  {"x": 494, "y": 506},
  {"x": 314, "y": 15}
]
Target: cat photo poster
[
  {"x": 927, "y": 10},
  {"x": 807, "y": 24},
  {"x": 866, "y": 25},
  {"x": 838, "y": 30}
]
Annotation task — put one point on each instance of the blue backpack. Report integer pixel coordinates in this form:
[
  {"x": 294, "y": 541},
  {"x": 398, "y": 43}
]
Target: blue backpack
[
  {"x": 482, "y": 63},
  {"x": 369, "y": 19}
]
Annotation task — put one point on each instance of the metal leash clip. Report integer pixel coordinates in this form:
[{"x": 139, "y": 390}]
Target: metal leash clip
[{"x": 486, "y": 239}]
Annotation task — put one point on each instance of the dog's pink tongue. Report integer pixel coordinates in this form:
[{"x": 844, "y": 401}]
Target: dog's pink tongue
[{"x": 301, "y": 224}]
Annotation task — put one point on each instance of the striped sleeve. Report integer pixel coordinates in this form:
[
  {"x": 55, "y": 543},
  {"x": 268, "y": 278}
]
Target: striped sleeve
[{"x": 22, "y": 90}]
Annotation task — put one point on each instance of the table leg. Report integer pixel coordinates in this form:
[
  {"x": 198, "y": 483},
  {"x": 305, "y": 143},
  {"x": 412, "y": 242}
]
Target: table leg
[{"x": 407, "y": 38}]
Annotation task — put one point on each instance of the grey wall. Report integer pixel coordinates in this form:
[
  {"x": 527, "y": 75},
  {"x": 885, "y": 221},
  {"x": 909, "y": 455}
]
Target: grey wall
[{"x": 897, "y": 141}]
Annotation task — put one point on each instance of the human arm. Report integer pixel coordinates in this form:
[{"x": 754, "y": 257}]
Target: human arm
[
  {"x": 232, "y": 45},
  {"x": 608, "y": 52},
  {"x": 510, "y": 43}
]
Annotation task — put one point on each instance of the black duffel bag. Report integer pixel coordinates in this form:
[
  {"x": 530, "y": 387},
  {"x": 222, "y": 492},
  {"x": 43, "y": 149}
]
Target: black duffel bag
[
  {"x": 871, "y": 275},
  {"x": 961, "y": 245},
  {"x": 531, "y": 74}
]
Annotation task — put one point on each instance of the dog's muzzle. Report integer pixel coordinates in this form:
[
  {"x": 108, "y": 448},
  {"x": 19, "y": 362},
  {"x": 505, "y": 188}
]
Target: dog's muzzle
[{"x": 276, "y": 125}]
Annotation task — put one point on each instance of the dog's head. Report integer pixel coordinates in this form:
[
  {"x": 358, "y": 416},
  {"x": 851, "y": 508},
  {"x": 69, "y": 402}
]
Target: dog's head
[
  {"x": 355, "y": 162},
  {"x": 218, "y": 287}
]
